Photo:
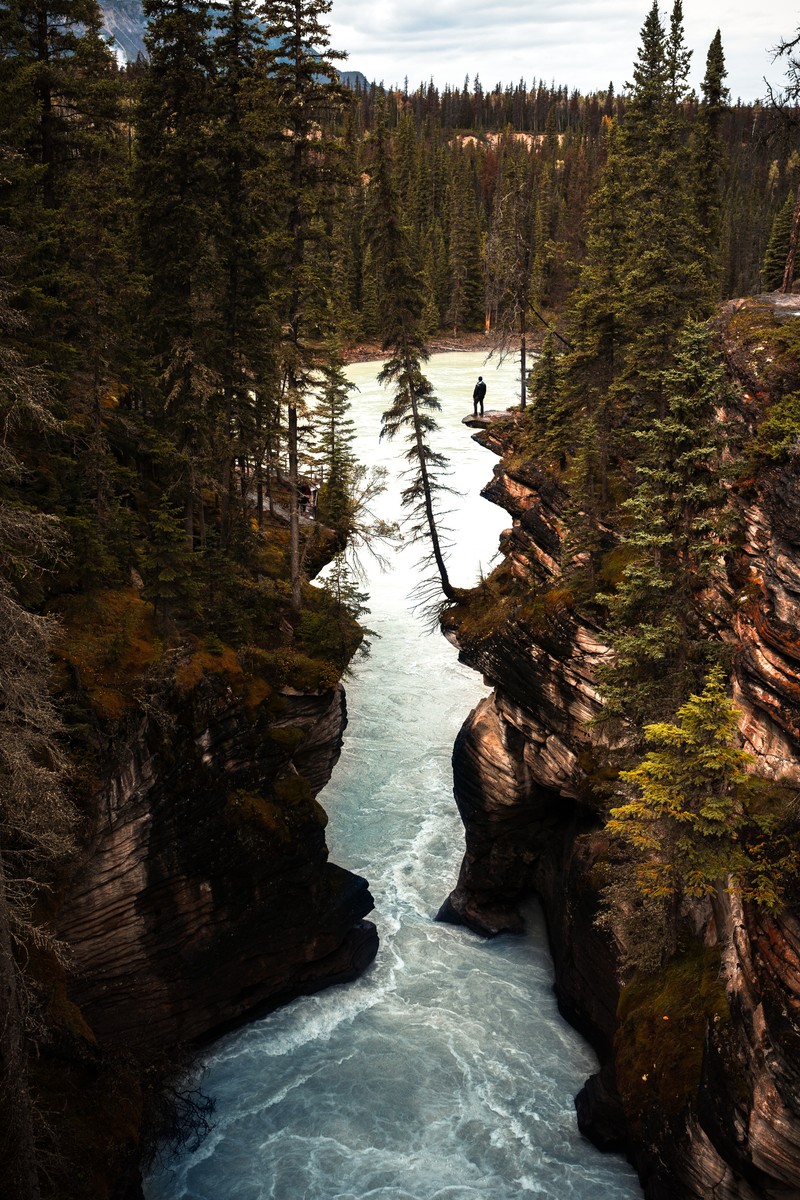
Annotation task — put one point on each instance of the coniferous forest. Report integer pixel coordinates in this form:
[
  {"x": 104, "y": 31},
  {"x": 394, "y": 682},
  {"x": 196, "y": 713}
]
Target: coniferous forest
[{"x": 192, "y": 247}]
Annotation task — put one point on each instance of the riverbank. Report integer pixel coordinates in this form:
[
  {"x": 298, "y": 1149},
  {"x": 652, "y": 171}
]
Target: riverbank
[{"x": 441, "y": 343}]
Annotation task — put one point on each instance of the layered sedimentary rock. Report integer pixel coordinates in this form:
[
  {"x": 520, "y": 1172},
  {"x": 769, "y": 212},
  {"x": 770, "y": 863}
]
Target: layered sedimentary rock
[
  {"x": 206, "y": 893},
  {"x": 525, "y": 766}
]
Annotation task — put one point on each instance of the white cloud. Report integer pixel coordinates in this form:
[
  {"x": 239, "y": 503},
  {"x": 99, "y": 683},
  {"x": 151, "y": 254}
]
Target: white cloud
[{"x": 583, "y": 45}]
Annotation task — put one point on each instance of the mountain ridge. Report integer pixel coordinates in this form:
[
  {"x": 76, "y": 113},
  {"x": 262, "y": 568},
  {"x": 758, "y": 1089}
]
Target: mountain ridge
[{"x": 125, "y": 23}]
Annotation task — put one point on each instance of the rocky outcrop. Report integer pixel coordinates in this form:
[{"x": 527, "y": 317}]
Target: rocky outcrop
[
  {"x": 206, "y": 893},
  {"x": 526, "y": 766}
]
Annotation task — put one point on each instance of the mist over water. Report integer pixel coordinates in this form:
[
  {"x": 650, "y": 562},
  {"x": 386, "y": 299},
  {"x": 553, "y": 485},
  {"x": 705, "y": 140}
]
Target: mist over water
[{"x": 445, "y": 1072}]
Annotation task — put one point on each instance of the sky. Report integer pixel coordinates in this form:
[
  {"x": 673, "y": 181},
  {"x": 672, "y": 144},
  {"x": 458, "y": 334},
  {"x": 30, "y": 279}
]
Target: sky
[{"x": 581, "y": 43}]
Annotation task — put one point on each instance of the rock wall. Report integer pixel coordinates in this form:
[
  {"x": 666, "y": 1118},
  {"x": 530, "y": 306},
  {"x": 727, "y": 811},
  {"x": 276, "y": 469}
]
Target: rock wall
[
  {"x": 206, "y": 894},
  {"x": 525, "y": 763}
]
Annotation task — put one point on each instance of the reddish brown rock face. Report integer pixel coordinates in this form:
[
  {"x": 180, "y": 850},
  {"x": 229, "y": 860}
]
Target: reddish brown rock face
[
  {"x": 207, "y": 894},
  {"x": 524, "y": 765}
]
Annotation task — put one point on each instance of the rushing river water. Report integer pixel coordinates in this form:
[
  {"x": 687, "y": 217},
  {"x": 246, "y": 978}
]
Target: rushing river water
[{"x": 445, "y": 1072}]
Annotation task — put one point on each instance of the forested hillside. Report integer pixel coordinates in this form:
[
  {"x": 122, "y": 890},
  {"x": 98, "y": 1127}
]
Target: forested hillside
[{"x": 189, "y": 248}]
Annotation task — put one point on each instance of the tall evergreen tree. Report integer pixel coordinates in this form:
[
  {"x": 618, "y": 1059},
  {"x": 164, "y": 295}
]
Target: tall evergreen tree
[
  {"x": 678, "y": 521},
  {"x": 684, "y": 822},
  {"x": 174, "y": 177},
  {"x": 239, "y": 231},
  {"x": 307, "y": 92},
  {"x": 708, "y": 157},
  {"x": 777, "y": 250},
  {"x": 465, "y": 308},
  {"x": 334, "y": 432},
  {"x": 62, "y": 113},
  {"x": 664, "y": 275},
  {"x": 414, "y": 404}
]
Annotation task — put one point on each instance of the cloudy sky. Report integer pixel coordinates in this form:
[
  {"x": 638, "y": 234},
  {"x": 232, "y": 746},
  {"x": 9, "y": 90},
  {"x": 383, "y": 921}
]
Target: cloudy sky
[{"x": 583, "y": 43}]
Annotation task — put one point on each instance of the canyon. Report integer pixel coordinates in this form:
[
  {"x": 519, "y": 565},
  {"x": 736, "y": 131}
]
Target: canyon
[{"x": 708, "y": 1105}]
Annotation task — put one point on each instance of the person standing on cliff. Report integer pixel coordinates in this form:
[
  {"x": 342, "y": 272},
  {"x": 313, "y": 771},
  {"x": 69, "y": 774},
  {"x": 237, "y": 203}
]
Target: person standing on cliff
[{"x": 478, "y": 396}]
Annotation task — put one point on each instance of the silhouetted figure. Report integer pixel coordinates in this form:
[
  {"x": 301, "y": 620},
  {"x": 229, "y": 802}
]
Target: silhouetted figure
[{"x": 478, "y": 395}]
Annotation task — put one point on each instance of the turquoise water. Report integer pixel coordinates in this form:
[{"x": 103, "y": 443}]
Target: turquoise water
[{"x": 445, "y": 1072}]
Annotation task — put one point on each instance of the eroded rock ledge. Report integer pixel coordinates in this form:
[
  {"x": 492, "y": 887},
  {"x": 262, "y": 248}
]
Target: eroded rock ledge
[
  {"x": 207, "y": 894},
  {"x": 524, "y": 765}
]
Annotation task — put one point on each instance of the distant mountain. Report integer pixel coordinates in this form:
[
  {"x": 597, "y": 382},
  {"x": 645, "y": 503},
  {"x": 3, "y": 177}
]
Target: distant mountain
[
  {"x": 124, "y": 20},
  {"x": 125, "y": 23},
  {"x": 354, "y": 79}
]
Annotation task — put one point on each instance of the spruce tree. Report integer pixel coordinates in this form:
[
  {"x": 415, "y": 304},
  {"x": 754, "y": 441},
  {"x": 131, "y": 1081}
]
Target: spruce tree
[
  {"x": 240, "y": 228},
  {"x": 176, "y": 207},
  {"x": 684, "y": 817},
  {"x": 678, "y": 524},
  {"x": 544, "y": 388},
  {"x": 307, "y": 93},
  {"x": 777, "y": 250},
  {"x": 50, "y": 51},
  {"x": 414, "y": 403},
  {"x": 708, "y": 157},
  {"x": 665, "y": 269},
  {"x": 584, "y": 426},
  {"x": 62, "y": 116},
  {"x": 334, "y": 431},
  {"x": 465, "y": 308}
]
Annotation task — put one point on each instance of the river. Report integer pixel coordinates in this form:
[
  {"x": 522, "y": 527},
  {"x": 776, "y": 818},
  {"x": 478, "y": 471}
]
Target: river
[{"x": 445, "y": 1072}]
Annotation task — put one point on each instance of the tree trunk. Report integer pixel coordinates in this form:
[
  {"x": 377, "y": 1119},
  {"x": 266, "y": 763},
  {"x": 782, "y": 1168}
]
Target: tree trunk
[
  {"x": 523, "y": 378},
  {"x": 259, "y": 494},
  {"x": 294, "y": 510},
  {"x": 788, "y": 274},
  {"x": 188, "y": 521},
  {"x": 438, "y": 557}
]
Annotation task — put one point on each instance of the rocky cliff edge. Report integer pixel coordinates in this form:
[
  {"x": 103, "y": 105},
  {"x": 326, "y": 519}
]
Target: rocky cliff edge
[{"x": 700, "y": 1078}]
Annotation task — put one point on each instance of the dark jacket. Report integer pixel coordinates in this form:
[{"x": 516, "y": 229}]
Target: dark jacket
[{"x": 480, "y": 392}]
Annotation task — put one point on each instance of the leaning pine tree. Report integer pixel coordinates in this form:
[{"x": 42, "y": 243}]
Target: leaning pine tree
[{"x": 414, "y": 403}]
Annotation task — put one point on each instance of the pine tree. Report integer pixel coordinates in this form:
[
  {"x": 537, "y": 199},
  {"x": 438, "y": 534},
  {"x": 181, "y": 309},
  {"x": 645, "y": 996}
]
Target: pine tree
[
  {"x": 465, "y": 308},
  {"x": 665, "y": 271},
  {"x": 165, "y": 563},
  {"x": 708, "y": 157},
  {"x": 305, "y": 86},
  {"x": 414, "y": 404},
  {"x": 778, "y": 246},
  {"x": 238, "y": 232},
  {"x": 678, "y": 522},
  {"x": 174, "y": 178},
  {"x": 684, "y": 818},
  {"x": 544, "y": 387},
  {"x": 62, "y": 112},
  {"x": 334, "y": 434}
]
